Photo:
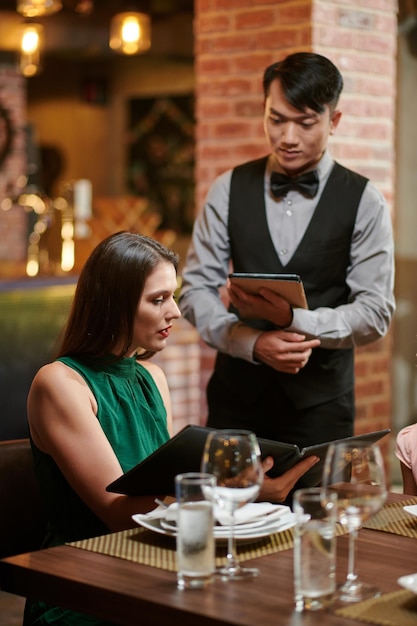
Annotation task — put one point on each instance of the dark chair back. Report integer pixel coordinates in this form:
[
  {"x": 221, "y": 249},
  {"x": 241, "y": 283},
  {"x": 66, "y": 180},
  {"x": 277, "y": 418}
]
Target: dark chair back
[{"x": 22, "y": 519}]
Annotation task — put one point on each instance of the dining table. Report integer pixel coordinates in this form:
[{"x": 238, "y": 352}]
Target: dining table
[{"x": 98, "y": 578}]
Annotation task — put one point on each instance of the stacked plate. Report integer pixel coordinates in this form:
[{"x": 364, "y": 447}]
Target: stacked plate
[{"x": 253, "y": 521}]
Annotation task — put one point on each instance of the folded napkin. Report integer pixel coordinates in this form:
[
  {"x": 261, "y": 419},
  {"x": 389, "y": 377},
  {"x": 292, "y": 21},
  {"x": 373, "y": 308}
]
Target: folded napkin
[
  {"x": 244, "y": 515},
  {"x": 412, "y": 509},
  {"x": 250, "y": 512}
]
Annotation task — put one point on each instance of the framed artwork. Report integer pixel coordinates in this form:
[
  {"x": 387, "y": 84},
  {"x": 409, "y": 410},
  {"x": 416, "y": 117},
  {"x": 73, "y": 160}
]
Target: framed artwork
[{"x": 161, "y": 158}]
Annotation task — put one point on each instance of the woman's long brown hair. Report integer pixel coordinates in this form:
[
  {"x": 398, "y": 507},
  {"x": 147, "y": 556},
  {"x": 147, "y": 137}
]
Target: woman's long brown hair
[{"x": 107, "y": 294}]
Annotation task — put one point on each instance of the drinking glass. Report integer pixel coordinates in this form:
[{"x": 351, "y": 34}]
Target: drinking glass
[
  {"x": 314, "y": 548},
  {"x": 195, "y": 539},
  {"x": 355, "y": 472},
  {"x": 233, "y": 456}
]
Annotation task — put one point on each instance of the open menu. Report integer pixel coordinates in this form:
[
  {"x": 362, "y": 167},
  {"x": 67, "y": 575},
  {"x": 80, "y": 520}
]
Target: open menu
[
  {"x": 288, "y": 286},
  {"x": 182, "y": 453}
]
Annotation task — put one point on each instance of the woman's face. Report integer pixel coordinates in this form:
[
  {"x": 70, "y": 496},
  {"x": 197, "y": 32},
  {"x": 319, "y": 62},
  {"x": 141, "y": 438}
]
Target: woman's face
[{"x": 156, "y": 309}]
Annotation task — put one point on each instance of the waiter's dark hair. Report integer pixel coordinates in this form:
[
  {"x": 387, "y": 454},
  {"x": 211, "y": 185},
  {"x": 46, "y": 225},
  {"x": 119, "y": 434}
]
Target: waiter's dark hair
[{"x": 308, "y": 80}]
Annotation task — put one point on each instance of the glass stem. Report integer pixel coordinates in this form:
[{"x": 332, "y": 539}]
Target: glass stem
[
  {"x": 232, "y": 563},
  {"x": 352, "y": 575}
]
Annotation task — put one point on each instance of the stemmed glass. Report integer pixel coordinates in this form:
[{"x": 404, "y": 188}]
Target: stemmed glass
[
  {"x": 355, "y": 472},
  {"x": 233, "y": 456}
]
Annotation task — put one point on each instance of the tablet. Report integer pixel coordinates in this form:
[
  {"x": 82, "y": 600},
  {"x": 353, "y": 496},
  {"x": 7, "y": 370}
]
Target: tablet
[
  {"x": 155, "y": 475},
  {"x": 289, "y": 286}
]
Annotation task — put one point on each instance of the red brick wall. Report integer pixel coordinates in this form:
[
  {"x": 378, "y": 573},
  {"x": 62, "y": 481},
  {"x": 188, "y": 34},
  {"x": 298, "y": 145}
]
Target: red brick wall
[{"x": 235, "y": 41}]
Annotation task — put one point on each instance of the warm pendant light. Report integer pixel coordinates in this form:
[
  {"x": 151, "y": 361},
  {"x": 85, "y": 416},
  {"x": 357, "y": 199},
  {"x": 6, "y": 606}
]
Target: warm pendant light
[
  {"x": 36, "y": 8},
  {"x": 130, "y": 32},
  {"x": 30, "y": 60}
]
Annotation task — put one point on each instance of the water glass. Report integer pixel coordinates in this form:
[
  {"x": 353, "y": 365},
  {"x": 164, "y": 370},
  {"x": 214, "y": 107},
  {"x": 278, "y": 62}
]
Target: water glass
[
  {"x": 195, "y": 536},
  {"x": 314, "y": 548}
]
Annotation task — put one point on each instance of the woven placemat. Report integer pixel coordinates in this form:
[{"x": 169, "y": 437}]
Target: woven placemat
[
  {"x": 148, "y": 548},
  {"x": 398, "y": 608},
  {"x": 393, "y": 519}
]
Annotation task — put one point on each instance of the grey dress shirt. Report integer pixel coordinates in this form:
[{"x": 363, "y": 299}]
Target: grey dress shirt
[{"x": 370, "y": 275}]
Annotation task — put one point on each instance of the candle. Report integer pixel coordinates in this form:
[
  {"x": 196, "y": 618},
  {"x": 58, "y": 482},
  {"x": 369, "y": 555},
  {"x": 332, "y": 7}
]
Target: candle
[{"x": 82, "y": 199}]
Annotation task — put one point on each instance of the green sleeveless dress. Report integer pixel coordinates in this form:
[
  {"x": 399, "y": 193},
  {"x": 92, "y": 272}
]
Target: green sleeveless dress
[{"x": 133, "y": 417}]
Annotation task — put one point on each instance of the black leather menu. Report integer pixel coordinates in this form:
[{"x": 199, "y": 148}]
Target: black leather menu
[{"x": 182, "y": 453}]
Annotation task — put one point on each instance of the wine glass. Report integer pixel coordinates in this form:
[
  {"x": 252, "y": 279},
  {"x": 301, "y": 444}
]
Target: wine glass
[
  {"x": 355, "y": 472},
  {"x": 233, "y": 456}
]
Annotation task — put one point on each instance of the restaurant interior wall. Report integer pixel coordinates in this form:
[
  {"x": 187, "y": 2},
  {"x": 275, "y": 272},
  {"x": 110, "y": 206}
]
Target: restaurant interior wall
[
  {"x": 404, "y": 379},
  {"x": 77, "y": 109},
  {"x": 233, "y": 43},
  {"x": 233, "y": 46}
]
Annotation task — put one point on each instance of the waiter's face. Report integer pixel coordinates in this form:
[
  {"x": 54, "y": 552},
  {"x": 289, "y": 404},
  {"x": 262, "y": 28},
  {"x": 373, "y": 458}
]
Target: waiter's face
[{"x": 297, "y": 138}]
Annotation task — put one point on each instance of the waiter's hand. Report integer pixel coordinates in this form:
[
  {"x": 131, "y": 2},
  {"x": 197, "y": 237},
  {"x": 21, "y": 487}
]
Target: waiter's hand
[
  {"x": 284, "y": 351},
  {"x": 265, "y": 306},
  {"x": 277, "y": 489}
]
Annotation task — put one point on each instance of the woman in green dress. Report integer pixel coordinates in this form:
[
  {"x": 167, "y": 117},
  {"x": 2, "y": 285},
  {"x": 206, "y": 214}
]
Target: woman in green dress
[{"x": 101, "y": 407}]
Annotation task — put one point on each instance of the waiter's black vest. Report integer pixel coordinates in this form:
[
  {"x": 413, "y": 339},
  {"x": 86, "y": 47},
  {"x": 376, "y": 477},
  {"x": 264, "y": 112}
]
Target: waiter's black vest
[{"x": 321, "y": 259}]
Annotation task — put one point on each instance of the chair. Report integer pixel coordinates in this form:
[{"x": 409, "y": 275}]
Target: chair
[{"x": 22, "y": 518}]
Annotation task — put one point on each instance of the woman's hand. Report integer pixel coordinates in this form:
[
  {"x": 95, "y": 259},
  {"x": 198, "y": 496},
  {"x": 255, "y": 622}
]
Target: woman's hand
[{"x": 277, "y": 489}]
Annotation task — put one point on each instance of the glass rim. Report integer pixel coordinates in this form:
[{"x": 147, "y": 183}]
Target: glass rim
[
  {"x": 194, "y": 477},
  {"x": 232, "y": 431},
  {"x": 321, "y": 491}
]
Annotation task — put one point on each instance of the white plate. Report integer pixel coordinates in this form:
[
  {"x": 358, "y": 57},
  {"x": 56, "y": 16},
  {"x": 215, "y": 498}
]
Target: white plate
[
  {"x": 220, "y": 532},
  {"x": 248, "y": 516},
  {"x": 409, "y": 581},
  {"x": 273, "y": 520},
  {"x": 411, "y": 509}
]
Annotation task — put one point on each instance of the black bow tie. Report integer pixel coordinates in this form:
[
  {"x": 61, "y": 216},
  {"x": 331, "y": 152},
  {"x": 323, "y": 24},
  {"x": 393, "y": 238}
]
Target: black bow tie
[{"x": 307, "y": 184}]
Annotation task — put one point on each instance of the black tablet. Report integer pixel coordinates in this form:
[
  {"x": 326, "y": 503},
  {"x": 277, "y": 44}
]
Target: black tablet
[{"x": 288, "y": 286}]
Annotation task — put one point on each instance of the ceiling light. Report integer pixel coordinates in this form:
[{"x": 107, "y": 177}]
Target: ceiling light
[
  {"x": 31, "y": 43},
  {"x": 36, "y": 8},
  {"x": 130, "y": 32}
]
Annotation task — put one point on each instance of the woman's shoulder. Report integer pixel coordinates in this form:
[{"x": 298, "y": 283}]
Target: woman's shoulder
[
  {"x": 54, "y": 373},
  {"x": 154, "y": 370},
  {"x": 408, "y": 433},
  {"x": 159, "y": 378}
]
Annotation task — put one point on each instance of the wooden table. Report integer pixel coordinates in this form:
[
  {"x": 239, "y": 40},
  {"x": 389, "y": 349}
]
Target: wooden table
[{"x": 130, "y": 594}]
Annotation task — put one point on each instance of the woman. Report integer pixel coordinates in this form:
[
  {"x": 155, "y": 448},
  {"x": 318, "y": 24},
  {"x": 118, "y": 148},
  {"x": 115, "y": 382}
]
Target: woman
[
  {"x": 406, "y": 452},
  {"x": 101, "y": 407}
]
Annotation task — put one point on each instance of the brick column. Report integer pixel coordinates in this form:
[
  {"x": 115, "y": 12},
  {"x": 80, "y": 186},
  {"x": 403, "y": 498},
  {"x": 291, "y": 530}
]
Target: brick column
[{"x": 234, "y": 41}]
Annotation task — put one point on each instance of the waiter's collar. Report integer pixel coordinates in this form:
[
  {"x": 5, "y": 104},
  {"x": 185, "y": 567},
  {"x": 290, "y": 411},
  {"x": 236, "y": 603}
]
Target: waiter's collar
[{"x": 323, "y": 167}]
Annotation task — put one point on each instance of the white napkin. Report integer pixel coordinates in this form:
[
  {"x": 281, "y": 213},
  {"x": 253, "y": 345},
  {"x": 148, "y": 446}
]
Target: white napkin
[
  {"x": 247, "y": 513},
  {"x": 250, "y": 512},
  {"x": 412, "y": 509}
]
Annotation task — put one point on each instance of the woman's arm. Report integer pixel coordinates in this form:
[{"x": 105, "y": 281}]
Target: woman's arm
[
  {"x": 63, "y": 423},
  {"x": 409, "y": 484}
]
